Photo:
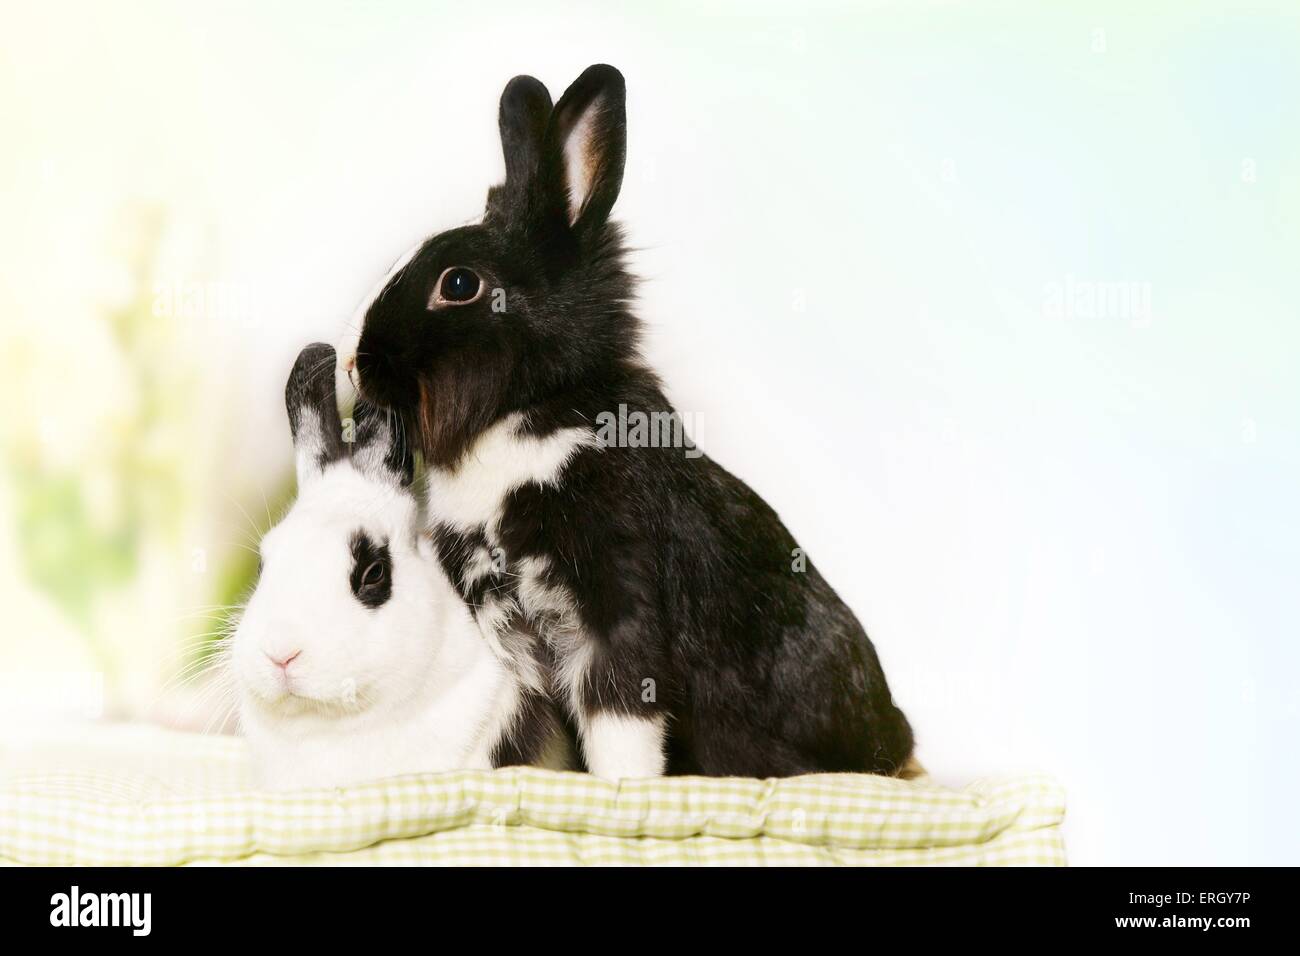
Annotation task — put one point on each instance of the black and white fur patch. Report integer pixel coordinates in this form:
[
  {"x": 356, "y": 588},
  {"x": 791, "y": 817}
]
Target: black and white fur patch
[{"x": 372, "y": 570}]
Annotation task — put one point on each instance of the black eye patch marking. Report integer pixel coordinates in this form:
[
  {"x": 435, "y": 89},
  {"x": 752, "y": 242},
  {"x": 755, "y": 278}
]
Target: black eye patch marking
[{"x": 372, "y": 570}]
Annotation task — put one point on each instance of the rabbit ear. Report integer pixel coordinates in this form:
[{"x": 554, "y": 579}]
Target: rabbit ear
[
  {"x": 379, "y": 445},
  {"x": 585, "y": 146},
  {"x": 313, "y": 411},
  {"x": 525, "y": 109}
]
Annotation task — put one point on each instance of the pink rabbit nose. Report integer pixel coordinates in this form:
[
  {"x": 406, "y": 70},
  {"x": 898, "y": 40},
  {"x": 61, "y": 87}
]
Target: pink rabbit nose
[
  {"x": 350, "y": 363},
  {"x": 284, "y": 662}
]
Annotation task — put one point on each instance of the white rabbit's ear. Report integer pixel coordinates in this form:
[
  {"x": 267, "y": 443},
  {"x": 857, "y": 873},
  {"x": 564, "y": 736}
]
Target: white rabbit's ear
[
  {"x": 585, "y": 147},
  {"x": 314, "y": 412},
  {"x": 379, "y": 445}
]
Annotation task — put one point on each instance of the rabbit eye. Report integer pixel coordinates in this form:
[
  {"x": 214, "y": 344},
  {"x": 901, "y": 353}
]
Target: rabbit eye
[
  {"x": 372, "y": 570},
  {"x": 457, "y": 286}
]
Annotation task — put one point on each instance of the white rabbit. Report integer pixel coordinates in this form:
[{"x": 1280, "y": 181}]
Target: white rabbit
[{"x": 355, "y": 658}]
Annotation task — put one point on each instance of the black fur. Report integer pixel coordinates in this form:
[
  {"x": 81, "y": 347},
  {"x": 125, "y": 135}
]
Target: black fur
[
  {"x": 681, "y": 574},
  {"x": 310, "y": 389},
  {"x": 372, "y": 570},
  {"x": 372, "y": 426},
  {"x": 537, "y": 725}
]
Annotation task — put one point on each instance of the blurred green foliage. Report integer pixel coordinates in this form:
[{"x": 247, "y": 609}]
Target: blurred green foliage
[
  {"x": 66, "y": 554},
  {"x": 82, "y": 522}
]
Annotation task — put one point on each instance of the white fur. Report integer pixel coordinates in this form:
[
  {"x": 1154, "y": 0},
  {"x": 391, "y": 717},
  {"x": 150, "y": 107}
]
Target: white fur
[
  {"x": 501, "y": 460},
  {"x": 311, "y": 433},
  {"x": 618, "y": 746},
  {"x": 555, "y": 607},
  {"x": 408, "y": 686}
]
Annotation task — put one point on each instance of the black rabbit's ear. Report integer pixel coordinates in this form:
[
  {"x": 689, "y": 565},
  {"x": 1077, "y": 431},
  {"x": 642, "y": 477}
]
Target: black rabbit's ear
[
  {"x": 585, "y": 146},
  {"x": 379, "y": 445},
  {"x": 313, "y": 411},
  {"x": 525, "y": 110}
]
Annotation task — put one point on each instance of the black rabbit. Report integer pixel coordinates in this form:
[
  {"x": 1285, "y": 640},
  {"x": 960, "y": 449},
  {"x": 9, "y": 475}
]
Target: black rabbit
[{"x": 652, "y": 593}]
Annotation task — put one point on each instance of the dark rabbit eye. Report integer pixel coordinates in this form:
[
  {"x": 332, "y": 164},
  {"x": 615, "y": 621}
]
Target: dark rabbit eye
[
  {"x": 372, "y": 570},
  {"x": 457, "y": 286},
  {"x": 374, "y": 574}
]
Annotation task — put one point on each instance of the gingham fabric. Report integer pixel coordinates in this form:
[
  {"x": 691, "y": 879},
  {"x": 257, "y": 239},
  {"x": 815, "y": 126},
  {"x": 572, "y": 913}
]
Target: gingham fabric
[{"x": 136, "y": 795}]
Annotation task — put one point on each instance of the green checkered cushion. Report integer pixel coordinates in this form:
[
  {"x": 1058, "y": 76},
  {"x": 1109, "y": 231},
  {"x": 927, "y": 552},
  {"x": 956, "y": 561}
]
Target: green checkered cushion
[{"x": 136, "y": 795}]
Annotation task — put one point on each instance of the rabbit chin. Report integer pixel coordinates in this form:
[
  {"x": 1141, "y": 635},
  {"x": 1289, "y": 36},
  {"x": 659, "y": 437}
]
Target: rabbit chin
[{"x": 300, "y": 704}]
